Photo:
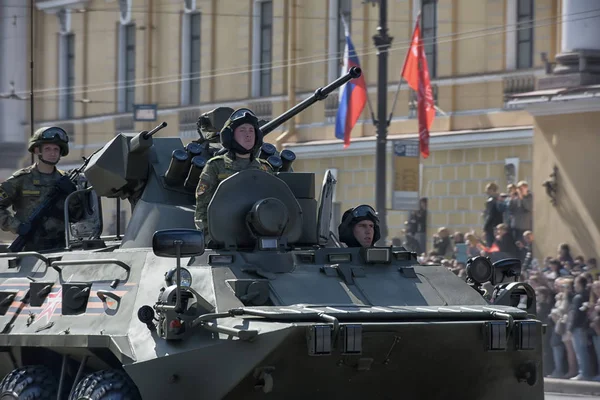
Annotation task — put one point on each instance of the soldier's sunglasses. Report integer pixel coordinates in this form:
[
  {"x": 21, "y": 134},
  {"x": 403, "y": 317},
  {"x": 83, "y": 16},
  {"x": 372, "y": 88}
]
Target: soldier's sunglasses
[
  {"x": 363, "y": 211},
  {"x": 55, "y": 133}
]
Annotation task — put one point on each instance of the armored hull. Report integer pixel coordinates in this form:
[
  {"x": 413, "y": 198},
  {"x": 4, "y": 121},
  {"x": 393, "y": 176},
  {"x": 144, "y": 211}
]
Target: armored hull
[{"x": 329, "y": 330}]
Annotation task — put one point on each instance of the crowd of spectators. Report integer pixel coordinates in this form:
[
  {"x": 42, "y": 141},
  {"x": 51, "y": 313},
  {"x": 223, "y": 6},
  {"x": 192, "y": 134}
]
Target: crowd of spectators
[{"x": 567, "y": 288}]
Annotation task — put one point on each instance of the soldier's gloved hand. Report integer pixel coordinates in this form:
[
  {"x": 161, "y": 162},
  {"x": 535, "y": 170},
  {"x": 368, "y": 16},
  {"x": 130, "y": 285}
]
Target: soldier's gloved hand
[
  {"x": 65, "y": 185},
  {"x": 23, "y": 228}
]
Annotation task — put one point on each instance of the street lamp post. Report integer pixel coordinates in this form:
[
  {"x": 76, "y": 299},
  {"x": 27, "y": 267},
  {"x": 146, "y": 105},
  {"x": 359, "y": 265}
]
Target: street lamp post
[{"x": 382, "y": 42}]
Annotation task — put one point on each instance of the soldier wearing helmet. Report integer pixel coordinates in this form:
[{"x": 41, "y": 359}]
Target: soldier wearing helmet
[
  {"x": 28, "y": 187},
  {"x": 242, "y": 138},
  {"x": 359, "y": 227}
]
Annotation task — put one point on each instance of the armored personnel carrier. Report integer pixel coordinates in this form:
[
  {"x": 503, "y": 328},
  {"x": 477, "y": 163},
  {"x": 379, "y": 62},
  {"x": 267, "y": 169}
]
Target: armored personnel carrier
[{"x": 271, "y": 307}]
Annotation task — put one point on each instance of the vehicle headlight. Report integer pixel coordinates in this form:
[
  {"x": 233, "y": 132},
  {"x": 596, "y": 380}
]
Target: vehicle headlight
[
  {"x": 479, "y": 269},
  {"x": 186, "y": 277}
]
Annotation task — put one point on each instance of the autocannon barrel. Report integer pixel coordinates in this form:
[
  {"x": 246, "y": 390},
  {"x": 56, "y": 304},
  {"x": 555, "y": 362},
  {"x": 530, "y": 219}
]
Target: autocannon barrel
[
  {"x": 141, "y": 142},
  {"x": 320, "y": 94},
  {"x": 146, "y": 135}
]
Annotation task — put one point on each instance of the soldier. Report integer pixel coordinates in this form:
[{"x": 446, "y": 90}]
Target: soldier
[
  {"x": 359, "y": 227},
  {"x": 242, "y": 137},
  {"x": 28, "y": 187}
]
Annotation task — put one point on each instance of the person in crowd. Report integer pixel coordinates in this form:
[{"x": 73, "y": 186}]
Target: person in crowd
[
  {"x": 577, "y": 326},
  {"x": 564, "y": 253},
  {"x": 492, "y": 216},
  {"x": 521, "y": 207},
  {"x": 417, "y": 224},
  {"x": 505, "y": 241},
  {"x": 442, "y": 244}
]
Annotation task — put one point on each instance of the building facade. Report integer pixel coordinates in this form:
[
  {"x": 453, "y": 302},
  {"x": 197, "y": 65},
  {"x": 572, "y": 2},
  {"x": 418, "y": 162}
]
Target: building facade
[
  {"x": 96, "y": 59},
  {"x": 566, "y": 112}
]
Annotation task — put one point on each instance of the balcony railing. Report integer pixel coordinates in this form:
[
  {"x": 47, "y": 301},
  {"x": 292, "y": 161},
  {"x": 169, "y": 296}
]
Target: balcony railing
[
  {"x": 517, "y": 84},
  {"x": 124, "y": 123},
  {"x": 187, "y": 123},
  {"x": 262, "y": 108}
]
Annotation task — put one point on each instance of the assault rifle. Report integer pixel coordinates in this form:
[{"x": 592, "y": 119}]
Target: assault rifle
[{"x": 64, "y": 186}]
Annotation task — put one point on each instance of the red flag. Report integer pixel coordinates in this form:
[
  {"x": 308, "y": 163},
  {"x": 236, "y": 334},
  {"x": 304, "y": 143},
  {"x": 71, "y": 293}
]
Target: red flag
[{"x": 416, "y": 73}]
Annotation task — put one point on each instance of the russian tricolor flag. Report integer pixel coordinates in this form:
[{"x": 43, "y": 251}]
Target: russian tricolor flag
[{"x": 353, "y": 95}]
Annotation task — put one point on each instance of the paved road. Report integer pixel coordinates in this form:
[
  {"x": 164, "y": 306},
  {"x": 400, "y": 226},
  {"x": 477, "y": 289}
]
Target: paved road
[{"x": 560, "y": 396}]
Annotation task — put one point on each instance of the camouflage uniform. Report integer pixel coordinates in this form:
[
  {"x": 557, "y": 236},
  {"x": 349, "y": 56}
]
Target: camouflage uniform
[
  {"x": 220, "y": 167},
  {"x": 24, "y": 191},
  {"x": 27, "y": 188},
  {"x": 217, "y": 169}
]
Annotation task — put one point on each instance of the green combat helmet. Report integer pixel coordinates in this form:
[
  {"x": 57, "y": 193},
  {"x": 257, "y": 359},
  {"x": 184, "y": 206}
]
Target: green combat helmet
[{"x": 53, "y": 135}]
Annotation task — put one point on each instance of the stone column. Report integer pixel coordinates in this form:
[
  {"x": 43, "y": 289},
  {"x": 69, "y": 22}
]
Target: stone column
[
  {"x": 14, "y": 76},
  {"x": 580, "y": 25},
  {"x": 578, "y": 63}
]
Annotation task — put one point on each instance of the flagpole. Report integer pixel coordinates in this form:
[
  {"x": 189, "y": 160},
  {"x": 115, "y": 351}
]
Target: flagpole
[
  {"x": 389, "y": 121},
  {"x": 382, "y": 42}
]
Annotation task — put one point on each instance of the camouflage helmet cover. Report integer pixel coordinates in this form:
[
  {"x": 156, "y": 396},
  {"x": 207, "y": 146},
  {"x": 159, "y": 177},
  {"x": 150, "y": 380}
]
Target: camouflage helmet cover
[{"x": 51, "y": 135}]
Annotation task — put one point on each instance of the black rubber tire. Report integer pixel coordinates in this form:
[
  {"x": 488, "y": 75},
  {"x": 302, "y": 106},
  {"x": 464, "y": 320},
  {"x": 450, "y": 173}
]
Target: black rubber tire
[
  {"x": 33, "y": 382},
  {"x": 112, "y": 384}
]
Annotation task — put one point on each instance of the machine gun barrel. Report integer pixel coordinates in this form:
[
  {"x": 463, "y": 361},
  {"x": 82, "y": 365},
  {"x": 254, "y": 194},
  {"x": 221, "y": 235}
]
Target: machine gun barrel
[
  {"x": 146, "y": 135},
  {"x": 320, "y": 94}
]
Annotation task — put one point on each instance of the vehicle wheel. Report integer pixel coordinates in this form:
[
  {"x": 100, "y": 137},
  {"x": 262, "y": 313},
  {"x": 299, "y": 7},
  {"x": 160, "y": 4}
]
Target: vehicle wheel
[
  {"x": 109, "y": 384},
  {"x": 33, "y": 382}
]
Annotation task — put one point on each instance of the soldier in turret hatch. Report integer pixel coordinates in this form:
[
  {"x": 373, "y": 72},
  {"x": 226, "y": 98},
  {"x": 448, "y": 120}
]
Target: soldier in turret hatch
[
  {"x": 29, "y": 186},
  {"x": 359, "y": 227},
  {"x": 242, "y": 137}
]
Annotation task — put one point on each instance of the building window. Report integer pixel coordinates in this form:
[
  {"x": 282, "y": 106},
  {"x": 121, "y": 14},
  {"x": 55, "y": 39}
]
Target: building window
[
  {"x": 429, "y": 33},
  {"x": 67, "y": 76},
  {"x": 195, "y": 58},
  {"x": 262, "y": 48},
  {"x": 129, "y": 67},
  {"x": 190, "y": 58},
  {"x": 345, "y": 11},
  {"x": 126, "y": 68},
  {"x": 266, "y": 46},
  {"x": 525, "y": 34},
  {"x": 337, "y": 35}
]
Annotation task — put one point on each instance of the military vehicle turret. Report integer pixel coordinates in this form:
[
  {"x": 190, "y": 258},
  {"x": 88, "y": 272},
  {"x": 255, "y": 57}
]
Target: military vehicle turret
[{"x": 269, "y": 310}]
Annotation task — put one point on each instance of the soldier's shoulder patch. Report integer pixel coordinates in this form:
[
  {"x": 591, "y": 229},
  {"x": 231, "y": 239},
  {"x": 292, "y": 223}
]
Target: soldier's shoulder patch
[
  {"x": 202, "y": 187},
  {"x": 3, "y": 194}
]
